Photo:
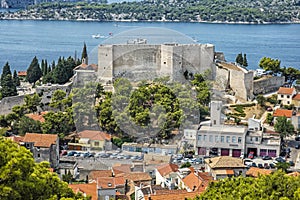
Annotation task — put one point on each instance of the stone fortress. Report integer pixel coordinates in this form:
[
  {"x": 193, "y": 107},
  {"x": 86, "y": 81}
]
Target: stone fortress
[{"x": 138, "y": 62}]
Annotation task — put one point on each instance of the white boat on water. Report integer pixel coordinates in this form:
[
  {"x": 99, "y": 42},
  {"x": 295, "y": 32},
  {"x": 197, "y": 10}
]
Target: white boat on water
[{"x": 96, "y": 36}]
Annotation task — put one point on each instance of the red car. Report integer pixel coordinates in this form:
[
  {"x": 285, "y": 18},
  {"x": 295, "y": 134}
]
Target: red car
[{"x": 251, "y": 155}]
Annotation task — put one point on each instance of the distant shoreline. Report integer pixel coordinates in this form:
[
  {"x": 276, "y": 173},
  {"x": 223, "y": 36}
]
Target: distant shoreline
[{"x": 159, "y": 21}]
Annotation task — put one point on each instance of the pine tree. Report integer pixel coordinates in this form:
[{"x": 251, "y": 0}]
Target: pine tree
[
  {"x": 8, "y": 86},
  {"x": 239, "y": 59},
  {"x": 245, "y": 62},
  {"x": 5, "y": 71},
  {"x": 34, "y": 72},
  {"x": 16, "y": 79}
]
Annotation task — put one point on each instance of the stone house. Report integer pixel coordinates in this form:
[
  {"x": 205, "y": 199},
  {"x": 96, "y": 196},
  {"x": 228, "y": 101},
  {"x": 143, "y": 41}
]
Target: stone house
[
  {"x": 296, "y": 101},
  {"x": 224, "y": 166},
  {"x": 44, "y": 147},
  {"x": 89, "y": 189},
  {"x": 282, "y": 113},
  {"x": 285, "y": 95},
  {"x": 166, "y": 175},
  {"x": 92, "y": 140},
  {"x": 108, "y": 186}
]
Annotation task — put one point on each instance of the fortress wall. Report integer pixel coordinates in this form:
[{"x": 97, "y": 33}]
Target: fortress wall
[
  {"x": 222, "y": 78},
  {"x": 271, "y": 84},
  {"x": 7, "y": 103},
  {"x": 166, "y": 61},
  {"x": 207, "y": 59},
  {"x": 248, "y": 81},
  {"x": 241, "y": 83},
  {"x": 105, "y": 62},
  {"x": 136, "y": 62}
]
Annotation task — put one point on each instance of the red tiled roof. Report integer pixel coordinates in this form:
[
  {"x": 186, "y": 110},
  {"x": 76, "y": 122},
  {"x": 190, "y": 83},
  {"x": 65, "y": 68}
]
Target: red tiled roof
[
  {"x": 121, "y": 168},
  {"x": 41, "y": 140},
  {"x": 94, "y": 135},
  {"x": 16, "y": 139},
  {"x": 254, "y": 171},
  {"x": 192, "y": 181},
  {"x": 37, "y": 117},
  {"x": 178, "y": 195},
  {"x": 138, "y": 176},
  {"x": 88, "y": 189},
  {"x": 99, "y": 173},
  {"x": 297, "y": 97},
  {"x": 283, "y": 112},
  {"x": 167, "y": 169},
  {"x": 84, "y": 66},
  {"x": 285, "y": 90},
  {"x": 106, "y": 183},
  {"x": 22, "y": 73},
  {"x": 119, "y": 181}
]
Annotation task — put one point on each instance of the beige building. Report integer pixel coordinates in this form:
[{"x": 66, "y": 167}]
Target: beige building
[
  {"x": 285, "y": 95},
  {"x": 225, "y": 166}
]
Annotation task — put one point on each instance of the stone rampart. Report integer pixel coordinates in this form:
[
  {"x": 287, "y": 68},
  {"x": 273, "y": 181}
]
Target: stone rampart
[
  {"x": 267, "y": 84},
  {"x": 7, "y": 103}
]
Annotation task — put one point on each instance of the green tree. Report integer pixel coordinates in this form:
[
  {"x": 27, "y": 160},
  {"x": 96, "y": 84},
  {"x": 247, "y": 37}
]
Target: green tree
[
  {"x": 261, "y": 100},
  {"x": 84, "y": 52},
  {"x": 269, "y": 118},
  {"x": 245, "y": 62},
  {"x": 283, "y": 166},
  {"x": 284, "y": 127},
  {"x": 27, "y": 125},
  {"x": 22, "y": 178},
  {"x": 266, "y": 187},
  {"x": 34, "y": 72},
  {"x": 5, "y": 71},
  {"x": 16, "y": 79},
  {"x": 185, "y": 165},
  {"x": 239, "y": 59},
  {"x": 57, "y": 100},
  {"x": 270, "y": 64},
  {"x": 291, "y": 74},
  {"x": 8, "y": 86},
  {"x": 32, "y": 102}
]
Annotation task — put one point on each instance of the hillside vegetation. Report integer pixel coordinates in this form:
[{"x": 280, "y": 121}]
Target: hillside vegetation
[{"x": 231, "y": 11}]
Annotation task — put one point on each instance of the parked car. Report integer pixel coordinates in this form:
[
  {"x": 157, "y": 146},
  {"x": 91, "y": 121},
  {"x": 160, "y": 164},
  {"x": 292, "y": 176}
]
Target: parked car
[
  {"x": 254, "y": 164},
  {"x": 267, "y": 158},
  {"x": 259, "y": 165},
  {"x": 272, "y": 166},
  {"x": 291, "y": 163},
  {"x": 297, "y": 146},
  {"x": 297, "y": 138},
  {"x": 266, "y": 166},
  {"x": 71, "y": 153},
  {"x": 280, "y": 159},
  {"x": 251, "y": 155}
]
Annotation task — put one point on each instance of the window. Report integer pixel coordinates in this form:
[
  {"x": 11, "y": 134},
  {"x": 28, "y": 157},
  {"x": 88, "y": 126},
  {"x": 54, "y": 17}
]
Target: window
[
  {"x": 250, "y": 139},
  {"x": 282, "y": 96},
  {"x": 227, "y": 139},
  {"x": 222, "y": 138},
  {"x": 216, "y": 138},
  {"x": 97, "y": 144},
  {"x": 210, "y": 138},
  {"x": 288, "y": 102},
  {"x": 239, "y": 140},
  {"x": 215, "y": 122},
  {"x": 256, "y": 139},
  {"x": 204, "y": 137},
  {"x": 199, "y": 137},
  {"x": 39, "y": 155},
  {"x": 288, "y": 96},
  {"x": 165, "y": 62},
  {"x": 233, "y": 139}
]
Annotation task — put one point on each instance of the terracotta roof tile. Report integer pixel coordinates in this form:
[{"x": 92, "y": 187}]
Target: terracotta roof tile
[
  {"x": 16, "y": 139},
  {"x": 283, "y": 112},
  {"x": 166, "y": 169},
  {"x": 255, "y": 171},
  {"x": 106, "y": 183},
  {"x": 224, "y": 162},
  {"x": 84, "y": 66},
  {"x": 121, "y": 168},
  {"x": 192, "y": 181},
  {"x": 41, "y": 140},
  {"x": 94, "y": 135},
  {"x": 22, "y": 73},
  {"x": 119, "y": 181},
  {"x": 138, "y": 176},
  {"x": 93, "y": 175},
  {"x": 297, "y": 97},
  {"x": 285, "y": 90},
  {"x": 36, "y": 117},
  {"x": 178, "y": 195},
  {"x": 88, "y": 189}
]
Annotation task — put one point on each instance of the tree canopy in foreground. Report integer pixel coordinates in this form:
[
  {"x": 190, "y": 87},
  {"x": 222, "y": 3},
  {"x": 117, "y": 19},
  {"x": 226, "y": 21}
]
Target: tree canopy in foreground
[
  {"x": 269, "y": 187},
  {"x": 22, "y": 178}
]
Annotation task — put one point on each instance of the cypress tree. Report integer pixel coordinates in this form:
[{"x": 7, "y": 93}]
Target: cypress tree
[
  {"x": 46, "y": 67},
  {"x": 8, "y": 86},
  {"x": 245, "y": 62},
  {"x": 16, "y": 79},
  {"x": 239, "y": 59},
  {"x": 5, "y": 71},
  {"x": 84, "y": 52},
  {"x": 43, "y": 67},
  {"x": 34, "y": 72}
]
